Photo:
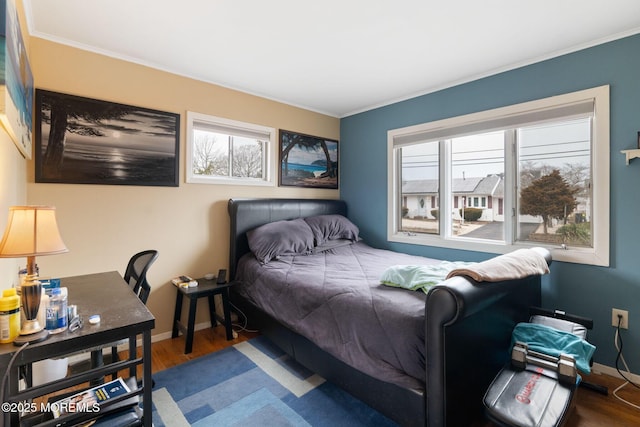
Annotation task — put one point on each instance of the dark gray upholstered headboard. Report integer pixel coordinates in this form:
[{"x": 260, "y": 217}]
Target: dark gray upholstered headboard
[{"x": 247, "y": 214}]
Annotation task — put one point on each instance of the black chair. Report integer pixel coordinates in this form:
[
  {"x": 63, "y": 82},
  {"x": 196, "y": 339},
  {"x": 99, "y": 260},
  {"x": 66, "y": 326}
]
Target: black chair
[
  {"x": 136, "y": 273},
  {"x": 136, "y": 277}
]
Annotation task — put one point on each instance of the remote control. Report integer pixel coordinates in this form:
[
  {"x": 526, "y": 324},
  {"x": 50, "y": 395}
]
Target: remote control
[
  {"x": 185, "y": 278},
  {"x": 222, "y": 277}
]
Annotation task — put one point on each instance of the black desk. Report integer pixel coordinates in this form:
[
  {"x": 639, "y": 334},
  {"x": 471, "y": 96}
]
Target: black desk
[
  {"x": 205, "y": 288},
  {"x": 123, "y": 316}
]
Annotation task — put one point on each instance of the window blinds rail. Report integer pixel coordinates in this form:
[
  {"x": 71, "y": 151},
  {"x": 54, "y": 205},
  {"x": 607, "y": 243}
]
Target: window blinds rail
[
  {"x": 487, "y": 122},
  {"x": 259, "y": 134}
]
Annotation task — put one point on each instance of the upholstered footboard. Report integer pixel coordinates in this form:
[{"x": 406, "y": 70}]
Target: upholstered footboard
[{"x": 468, "y": 333}]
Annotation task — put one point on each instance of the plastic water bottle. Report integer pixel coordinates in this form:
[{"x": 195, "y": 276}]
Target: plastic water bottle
[{"x": 57, "y": 311}]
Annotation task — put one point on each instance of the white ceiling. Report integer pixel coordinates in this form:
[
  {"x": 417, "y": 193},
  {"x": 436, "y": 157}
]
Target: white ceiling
[{"x": 337, "y": 57}]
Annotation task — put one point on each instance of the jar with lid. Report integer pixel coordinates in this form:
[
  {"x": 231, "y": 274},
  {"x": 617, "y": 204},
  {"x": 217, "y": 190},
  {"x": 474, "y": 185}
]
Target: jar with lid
[{"x": 9, "y": 316}]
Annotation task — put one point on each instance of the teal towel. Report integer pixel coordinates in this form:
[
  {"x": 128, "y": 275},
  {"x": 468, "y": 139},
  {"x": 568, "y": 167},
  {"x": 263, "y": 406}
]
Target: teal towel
[
  {"x": 554, "y": 342},
  {"x": 419, "y": 277}
]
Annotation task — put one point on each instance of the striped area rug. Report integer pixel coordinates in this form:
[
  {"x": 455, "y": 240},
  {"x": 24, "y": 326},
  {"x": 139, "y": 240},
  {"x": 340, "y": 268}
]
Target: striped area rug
[{"x": 253, "y": 383}]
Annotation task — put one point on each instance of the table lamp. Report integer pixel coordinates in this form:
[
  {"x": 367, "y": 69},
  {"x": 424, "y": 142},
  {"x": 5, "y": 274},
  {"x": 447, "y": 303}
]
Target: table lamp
[{"x": 31, "y": 231}]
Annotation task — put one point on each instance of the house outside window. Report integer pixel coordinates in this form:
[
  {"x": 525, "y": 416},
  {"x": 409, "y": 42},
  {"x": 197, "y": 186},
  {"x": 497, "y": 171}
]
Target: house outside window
[
  {"x": 531, "y": 174},
  {"x": 222, "y": 151}
]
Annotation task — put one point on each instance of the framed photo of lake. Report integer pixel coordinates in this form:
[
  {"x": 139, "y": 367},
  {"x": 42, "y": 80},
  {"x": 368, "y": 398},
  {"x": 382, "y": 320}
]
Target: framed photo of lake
[
  {"x": 308, "y": 161},
  {"x": 87, "y": 141}
]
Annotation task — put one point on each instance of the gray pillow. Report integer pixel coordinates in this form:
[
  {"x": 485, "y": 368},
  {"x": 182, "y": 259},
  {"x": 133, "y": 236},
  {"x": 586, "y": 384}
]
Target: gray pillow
[
  {"x": 332, "y": 227},
  {"x": 275, "y": 239}
]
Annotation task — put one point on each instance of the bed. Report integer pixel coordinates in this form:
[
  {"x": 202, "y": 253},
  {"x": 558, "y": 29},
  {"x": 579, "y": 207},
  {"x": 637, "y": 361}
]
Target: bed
[{"x": 452, "y": 344}]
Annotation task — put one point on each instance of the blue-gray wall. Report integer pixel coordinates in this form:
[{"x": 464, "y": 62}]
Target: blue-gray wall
[{"x": 583, "y": 290}]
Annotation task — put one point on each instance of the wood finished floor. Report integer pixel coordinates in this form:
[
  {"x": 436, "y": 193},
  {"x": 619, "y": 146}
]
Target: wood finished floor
[{"x": 592, "y": 409}]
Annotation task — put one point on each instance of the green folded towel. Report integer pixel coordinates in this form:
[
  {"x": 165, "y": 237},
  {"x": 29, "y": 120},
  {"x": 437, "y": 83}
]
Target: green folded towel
[
  {"x": 419, "y": 277},
  {"x": 551, "y": 341}
]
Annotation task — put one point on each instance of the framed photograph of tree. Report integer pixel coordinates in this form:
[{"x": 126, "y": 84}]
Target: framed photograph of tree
[
  {"x": 87, "y": 141},
  {"x": 308, "y": 161}
]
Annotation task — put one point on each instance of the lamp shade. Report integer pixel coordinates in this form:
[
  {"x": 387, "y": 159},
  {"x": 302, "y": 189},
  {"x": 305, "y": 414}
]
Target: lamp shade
[{"x": 31, "y": 231}]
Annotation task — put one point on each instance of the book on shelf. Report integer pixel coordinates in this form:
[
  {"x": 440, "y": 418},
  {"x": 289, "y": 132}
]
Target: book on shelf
[
  {"x": 184, "y": 282},
  {"x": 90, "y": 400}
]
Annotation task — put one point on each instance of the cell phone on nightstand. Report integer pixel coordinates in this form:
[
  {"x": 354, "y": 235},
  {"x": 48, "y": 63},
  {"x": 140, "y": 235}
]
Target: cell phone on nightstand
[{"x": 222, "y": 277}]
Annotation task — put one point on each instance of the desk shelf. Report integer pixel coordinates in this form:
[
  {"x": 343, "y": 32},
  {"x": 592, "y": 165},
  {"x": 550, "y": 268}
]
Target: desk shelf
[{"x": 125, "y": 404}]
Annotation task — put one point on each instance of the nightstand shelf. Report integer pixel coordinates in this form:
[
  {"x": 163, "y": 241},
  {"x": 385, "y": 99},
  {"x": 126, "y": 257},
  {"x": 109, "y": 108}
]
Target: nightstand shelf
[{"x": 205, "y": 288}]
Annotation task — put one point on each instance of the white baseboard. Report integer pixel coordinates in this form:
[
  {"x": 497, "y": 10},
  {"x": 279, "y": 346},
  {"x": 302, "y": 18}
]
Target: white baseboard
[
  {"x": 80, "y": 357},
  {"x": 613, "y": 372},
  {"x": 166, "y": 335}
]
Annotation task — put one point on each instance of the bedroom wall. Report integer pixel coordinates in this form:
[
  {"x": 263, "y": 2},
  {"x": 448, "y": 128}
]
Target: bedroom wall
[
  {"x": 103, "y": 225},
  {"x": 580, "y": 289}
]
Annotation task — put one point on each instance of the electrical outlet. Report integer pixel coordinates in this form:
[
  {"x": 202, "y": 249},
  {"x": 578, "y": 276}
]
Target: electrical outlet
[{"x": 624, "y": 324}]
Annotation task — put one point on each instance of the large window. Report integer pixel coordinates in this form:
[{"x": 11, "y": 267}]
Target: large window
[
  {"x": 532, "y": 174},
  {"x": 228, "y": 152}
]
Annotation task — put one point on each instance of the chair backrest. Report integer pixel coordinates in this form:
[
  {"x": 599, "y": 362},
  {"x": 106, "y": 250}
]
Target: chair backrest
[{"x": 136, "y": 273}]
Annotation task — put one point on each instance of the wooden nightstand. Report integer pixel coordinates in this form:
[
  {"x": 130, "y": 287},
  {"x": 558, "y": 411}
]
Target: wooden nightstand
[{"x": 205, "y": 288}]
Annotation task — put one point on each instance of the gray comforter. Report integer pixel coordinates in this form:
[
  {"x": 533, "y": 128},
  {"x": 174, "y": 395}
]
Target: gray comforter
[{"x": 335, "y": 299}]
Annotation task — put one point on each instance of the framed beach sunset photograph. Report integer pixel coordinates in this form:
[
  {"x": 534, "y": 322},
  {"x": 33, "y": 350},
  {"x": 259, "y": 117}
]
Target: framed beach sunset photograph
[
  {"x": 88, "y": 141},
  {"x": 308, "y": 161}
]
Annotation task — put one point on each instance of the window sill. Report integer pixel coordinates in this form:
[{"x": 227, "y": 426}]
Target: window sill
[
  {"x": 587, "y": 256},
  {"x": 225, "y": 181}
]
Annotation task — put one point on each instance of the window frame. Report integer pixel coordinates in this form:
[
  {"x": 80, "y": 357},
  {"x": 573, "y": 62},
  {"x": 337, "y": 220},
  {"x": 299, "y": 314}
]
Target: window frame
[
  {"x": 447, "y": 128},
  {"x": 269, "y": 152}
]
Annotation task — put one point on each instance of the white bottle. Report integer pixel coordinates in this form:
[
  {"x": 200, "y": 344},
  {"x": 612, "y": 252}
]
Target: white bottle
[{"x": 42, "y": 310}]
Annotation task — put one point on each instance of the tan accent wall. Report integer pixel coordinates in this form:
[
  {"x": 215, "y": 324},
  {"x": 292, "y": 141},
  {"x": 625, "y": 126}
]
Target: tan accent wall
[{"x": 103, "y": 225}]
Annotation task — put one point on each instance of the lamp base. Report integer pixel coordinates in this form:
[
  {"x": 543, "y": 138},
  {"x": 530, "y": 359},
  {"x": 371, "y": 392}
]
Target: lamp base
[
  {"x": 31, "y": 338},
  {"x": 30, "y": 327}
]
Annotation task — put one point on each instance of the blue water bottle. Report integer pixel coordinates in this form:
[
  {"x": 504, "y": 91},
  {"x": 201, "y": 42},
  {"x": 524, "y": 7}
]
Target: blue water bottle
[{"x": 57, "y": 312}]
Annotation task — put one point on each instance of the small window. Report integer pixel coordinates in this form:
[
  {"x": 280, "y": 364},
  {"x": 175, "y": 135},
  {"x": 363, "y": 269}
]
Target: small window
[{"x": 222, "y": 151}]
